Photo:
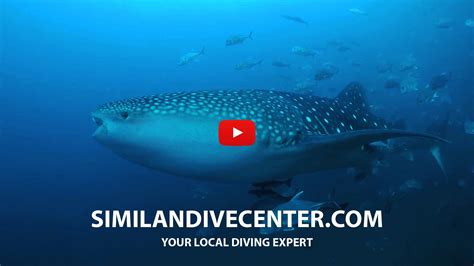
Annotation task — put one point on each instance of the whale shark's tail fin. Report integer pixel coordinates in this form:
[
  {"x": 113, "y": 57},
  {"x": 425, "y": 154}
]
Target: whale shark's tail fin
[
  {"x": 441, "y": 129},
  {"x": 438, "y": 156},
  {"x": 366, "y": 126}
]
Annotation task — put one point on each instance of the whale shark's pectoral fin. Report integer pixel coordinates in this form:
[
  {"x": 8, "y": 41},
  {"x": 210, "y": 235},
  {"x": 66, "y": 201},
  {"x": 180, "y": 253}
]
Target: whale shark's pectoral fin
[{"x": 359, "y": 138}]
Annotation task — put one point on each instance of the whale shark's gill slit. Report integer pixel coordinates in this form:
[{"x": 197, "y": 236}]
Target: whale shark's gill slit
[{"x": 321, "y": 124}]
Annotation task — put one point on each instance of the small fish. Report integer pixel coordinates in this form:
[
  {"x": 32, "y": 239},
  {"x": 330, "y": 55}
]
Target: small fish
[
  {"x": 355, "y": 63},
  {"x": 426, "y": 96},
  {"x": 190, "y": 57},
  {"x": 333, "y": 43},
  {"x": 343, "y": 48},
  {"x": 248, "y": 65},
  {"x": 278, "y": 188},
  {"x": 409, "y": 84},
  {"x": 280, "y": 64},
  {"x": 284, "y": 77},
  {"x": 306, "y": 67},
  {"x": 444, "y": 23},
  {"x": 469, "y": 22},
  {"x": 439, "y": 81},
  {"x": 302, "y": 51},
  {"x": 327, "y": 72},
  {"x": 357, "y": 11},
  {"x": 410, "y": 185},
  {"x": 469, "y": 128},
  {"x": 384, "y": 67},
  {"x": 295, "y": 19},
  {"x": 237, "y": 39},
  {"x": 392, "y": 83},
  {"x": 408, "y": 64},
  {"x": 432, "y": 91},
  {"x": 305, "y": 87}
]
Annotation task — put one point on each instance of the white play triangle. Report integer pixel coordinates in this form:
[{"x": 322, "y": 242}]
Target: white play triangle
[{"x": 236, "y": 132}]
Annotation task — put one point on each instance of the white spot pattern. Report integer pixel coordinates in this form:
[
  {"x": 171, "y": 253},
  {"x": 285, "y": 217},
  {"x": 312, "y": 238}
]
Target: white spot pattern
[{"x": 277, "y": 114}]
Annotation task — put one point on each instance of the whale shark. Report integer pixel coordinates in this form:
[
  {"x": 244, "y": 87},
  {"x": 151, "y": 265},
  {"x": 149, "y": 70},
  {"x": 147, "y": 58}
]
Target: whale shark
[{"x": 177, "y": 133}]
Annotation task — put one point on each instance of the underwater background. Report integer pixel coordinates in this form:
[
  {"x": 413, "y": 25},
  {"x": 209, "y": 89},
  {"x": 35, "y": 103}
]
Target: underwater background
[{"x": 59, "y": 60}]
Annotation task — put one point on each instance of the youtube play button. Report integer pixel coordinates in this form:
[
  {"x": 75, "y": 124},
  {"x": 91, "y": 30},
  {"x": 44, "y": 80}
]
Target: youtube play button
[{"x": 237, "y": 132}]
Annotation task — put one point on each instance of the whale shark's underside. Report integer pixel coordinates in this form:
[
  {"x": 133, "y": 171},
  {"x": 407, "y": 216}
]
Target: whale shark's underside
[{"x": 177, "y": 133}]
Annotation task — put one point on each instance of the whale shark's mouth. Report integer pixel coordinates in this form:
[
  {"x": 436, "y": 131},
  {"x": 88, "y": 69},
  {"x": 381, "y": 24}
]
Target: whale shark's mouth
[
  {"x": 97, "y": 120},
  {"x": 101, "y": 128}
]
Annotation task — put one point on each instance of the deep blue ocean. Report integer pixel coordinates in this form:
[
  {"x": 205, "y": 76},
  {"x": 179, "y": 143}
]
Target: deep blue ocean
[{"x": 60, "y": 59}]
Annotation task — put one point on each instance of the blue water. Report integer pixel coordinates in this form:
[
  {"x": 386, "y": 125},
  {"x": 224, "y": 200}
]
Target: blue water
[{"x": 59, "y": 60}]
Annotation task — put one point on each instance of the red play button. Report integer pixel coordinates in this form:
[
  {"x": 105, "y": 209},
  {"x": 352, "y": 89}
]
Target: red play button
[{"x": 237, "y": 132}]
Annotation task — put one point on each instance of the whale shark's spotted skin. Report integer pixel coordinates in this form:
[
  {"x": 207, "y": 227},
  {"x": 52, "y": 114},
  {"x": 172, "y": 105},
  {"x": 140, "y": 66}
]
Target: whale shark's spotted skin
[
  {"x": 177, "y": 133},
  {"x": 282, "y": 118}
]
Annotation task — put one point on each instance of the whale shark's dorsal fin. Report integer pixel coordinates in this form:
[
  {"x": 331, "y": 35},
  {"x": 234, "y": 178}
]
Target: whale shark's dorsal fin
[
  {"x": 297, "y": 196},
  {"x": 365, "y": 127},
  {"x": 352, "y": 99},
  {"x": 354, "y": 95}
]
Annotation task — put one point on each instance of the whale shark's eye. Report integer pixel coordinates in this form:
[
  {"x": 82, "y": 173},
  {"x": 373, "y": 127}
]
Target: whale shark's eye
[{"x": 124, "y": 115}]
